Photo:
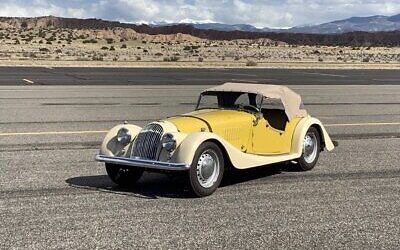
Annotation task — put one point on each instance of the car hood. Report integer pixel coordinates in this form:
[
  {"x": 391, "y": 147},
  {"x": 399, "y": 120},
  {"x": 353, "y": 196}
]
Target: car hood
[{"x": 211, "y": 120}]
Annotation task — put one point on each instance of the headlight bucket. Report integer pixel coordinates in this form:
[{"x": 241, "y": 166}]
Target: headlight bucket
[
  {"x": 169, "y": 142},
  {"x": 124, "y": 136}
]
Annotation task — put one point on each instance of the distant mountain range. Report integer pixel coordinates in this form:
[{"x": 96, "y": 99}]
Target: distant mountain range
[{"x": 365, "y": 24}]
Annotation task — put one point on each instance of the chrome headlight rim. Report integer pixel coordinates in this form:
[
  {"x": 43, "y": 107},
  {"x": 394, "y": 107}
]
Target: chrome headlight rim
[
  {"x": 168, "y": 142},
  {"x": 124, "y": 136}
]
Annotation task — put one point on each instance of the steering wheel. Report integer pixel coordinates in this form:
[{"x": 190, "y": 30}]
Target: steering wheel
[{"x": 254, "y": 108}]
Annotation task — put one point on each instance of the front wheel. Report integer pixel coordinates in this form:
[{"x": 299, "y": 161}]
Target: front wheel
[
  {"x": 124, "y": 177},
  {"x": 311, "y": 150},
  {"x": 207, "y": 169}
]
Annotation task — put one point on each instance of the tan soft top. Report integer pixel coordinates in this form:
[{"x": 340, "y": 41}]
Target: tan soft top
[{"x": 290, "y": 100}]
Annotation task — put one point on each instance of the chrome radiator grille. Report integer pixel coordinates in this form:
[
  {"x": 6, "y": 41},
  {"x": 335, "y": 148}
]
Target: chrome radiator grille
[{"x": 147, "y": 141}]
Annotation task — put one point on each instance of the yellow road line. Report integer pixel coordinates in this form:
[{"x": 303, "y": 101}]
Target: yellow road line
[
  {"x": 105, "y": 131},
  {"x": 363, "y": 124},
  {"x": 55, "y": 133}
]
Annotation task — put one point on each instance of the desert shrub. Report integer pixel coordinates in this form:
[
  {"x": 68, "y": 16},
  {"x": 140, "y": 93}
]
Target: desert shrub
[
  {"x": 90, "y": 41},
  {"x": 29, "y": 54},
  {"x": 138, "y": 58},
  {"x": 59, "y": 51},
  {"x": 251, "y": 63},
  {"x": 158, "y": 54},
  {"x": 24, "y": 24},
  {"x": 97, "y": 58},
  {"x": 320, "y": 59},
  {"x": 104, "y": 48},
  {"x": 123, "y": 46},
  {"x": 171, "y": 59},
  {"x": 48, "y": 42},
  {"x": 365, "y": 59},
  {"x": 187, "y": 48},
  {"x": 200, "y": 59},
  {"x": 145, "y": 51},
  {"x": 112, "y": 48},
  {"x": 110, "y": 40}
]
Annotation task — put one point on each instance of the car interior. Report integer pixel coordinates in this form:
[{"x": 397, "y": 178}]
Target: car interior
[
  {"x": 277, "y": 118},
  {"x": 274, "y": 112}
]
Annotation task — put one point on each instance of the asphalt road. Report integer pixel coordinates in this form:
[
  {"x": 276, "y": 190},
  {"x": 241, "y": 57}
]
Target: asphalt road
[
  {"x": 163, "y": 76},
  {"x": 53, "y": 194}
]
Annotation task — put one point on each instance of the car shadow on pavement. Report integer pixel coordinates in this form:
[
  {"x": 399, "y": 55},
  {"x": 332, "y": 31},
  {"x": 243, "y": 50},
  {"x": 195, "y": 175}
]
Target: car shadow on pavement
[
  {"x": 155, "y": 185},
  {"x": 150, "y": 186}
]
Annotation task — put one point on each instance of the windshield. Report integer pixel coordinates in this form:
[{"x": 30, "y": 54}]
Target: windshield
[{"x": 230, "y": 100}]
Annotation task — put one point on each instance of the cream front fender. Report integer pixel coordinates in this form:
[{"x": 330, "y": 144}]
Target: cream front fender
[
  {"x": 301, "y": 130},
  {"x": 110, "y": 145}
]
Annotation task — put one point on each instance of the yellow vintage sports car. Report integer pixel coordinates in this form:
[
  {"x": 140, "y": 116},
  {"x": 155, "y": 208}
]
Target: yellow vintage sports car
[{"x": 234, "y": 125}]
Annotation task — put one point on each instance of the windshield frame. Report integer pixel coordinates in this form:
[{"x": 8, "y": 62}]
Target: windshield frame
[{"x": 227, "y": 108}]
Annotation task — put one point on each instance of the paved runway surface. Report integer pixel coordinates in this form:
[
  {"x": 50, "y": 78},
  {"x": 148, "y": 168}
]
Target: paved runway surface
[
  {"x": 53, "y": 195},
  {"x": 151, "y": 76}
]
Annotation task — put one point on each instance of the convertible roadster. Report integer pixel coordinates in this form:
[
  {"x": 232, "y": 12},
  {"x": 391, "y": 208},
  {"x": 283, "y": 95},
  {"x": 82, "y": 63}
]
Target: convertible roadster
[{"x": 234, "y": 125}]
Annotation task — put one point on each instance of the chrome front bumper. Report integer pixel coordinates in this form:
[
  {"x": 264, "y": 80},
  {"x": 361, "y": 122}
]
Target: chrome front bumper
[{"x": 143, "y": 163}]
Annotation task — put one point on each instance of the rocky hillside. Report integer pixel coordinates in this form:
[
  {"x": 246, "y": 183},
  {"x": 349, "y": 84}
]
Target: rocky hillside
[{"x": 187, "y": 31}]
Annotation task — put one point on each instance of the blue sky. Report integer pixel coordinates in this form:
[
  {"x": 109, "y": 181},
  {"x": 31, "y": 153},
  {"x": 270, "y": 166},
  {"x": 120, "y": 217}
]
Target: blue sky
[{"x": 261, "y": 13}]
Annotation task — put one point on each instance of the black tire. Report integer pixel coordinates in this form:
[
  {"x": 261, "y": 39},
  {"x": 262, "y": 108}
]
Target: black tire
[
  {"x": 201, "y": 189},
  {"x": 124, "y": 177},
  {"x": 304, "y": 163}
]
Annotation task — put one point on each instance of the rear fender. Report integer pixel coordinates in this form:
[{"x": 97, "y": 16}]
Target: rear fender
[{"x": 301, "y": 130}]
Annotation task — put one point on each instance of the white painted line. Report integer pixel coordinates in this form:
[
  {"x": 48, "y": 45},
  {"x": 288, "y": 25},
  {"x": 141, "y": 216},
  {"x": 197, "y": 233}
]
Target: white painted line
[
  {"x": 387, "y": 80},
  {"x": 48, "y": 67},
  {"x": 323, "y": 74},
  {"x": 28, "y": 81}
]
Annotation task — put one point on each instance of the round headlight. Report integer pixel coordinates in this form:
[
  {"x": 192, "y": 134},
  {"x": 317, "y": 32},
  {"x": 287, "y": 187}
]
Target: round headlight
[
  {"x": 169, "y": 142},
  {"x": 124, "y": 136}
]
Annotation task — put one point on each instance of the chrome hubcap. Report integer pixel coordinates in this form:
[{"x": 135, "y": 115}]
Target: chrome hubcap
[
  {"x": 207, "y": 168},
  {"x": 310, "y": 147}
]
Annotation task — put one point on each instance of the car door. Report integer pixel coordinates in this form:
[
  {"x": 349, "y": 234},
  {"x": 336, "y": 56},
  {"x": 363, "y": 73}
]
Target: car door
[
  {"x": 270, "y": 134},
  {"x": 266, "y": 139}
]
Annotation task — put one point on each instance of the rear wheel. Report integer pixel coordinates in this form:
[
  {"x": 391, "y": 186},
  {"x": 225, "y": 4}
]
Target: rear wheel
[
  {"x": 207, "y": 169},
  {"x": 311, "y": 150},
  {"x": 124, "y": 177}
]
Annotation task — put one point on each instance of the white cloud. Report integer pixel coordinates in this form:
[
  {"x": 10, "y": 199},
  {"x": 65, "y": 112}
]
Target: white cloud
[{"x": 261, "y": 13}]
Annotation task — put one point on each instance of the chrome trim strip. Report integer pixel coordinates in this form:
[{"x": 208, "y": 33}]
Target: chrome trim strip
[{"x": 135, "y": 162}]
